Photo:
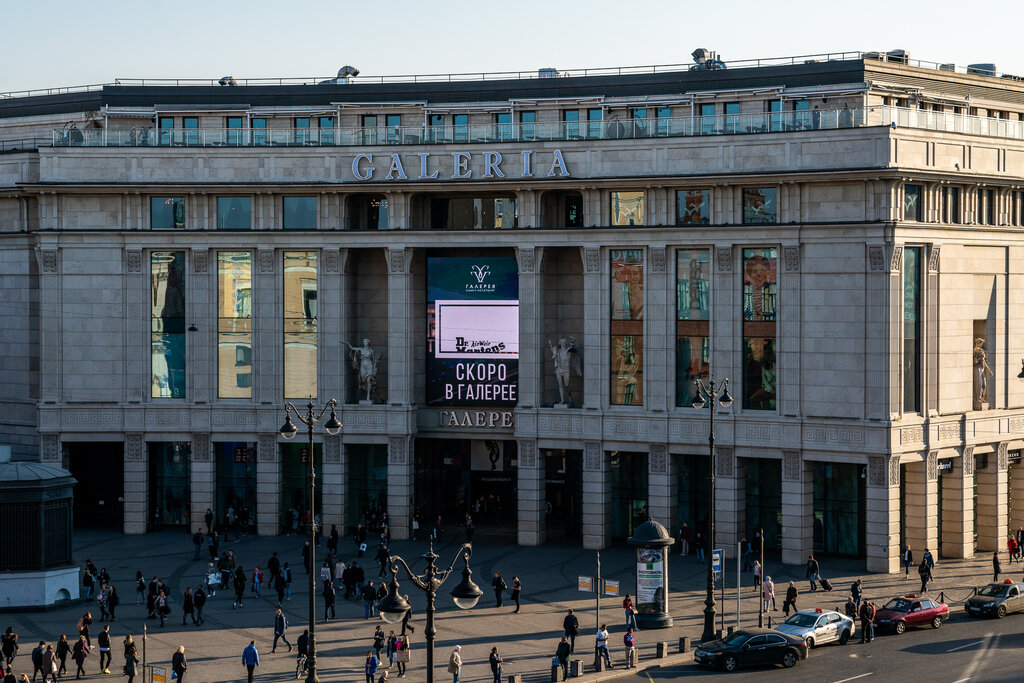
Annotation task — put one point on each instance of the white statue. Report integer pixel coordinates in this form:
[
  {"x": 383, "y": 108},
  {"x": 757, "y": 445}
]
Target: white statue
[
  {"x": 565, "y": 357},
  {"x": 981, "y": 374},
  {"x": 365, "y": 360}
]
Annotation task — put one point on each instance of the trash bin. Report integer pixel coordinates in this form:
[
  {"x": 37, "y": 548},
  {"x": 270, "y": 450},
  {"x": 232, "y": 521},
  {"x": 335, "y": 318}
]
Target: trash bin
[
  {"x": 556, "y": 673},
  {"x": 575, "y": 668}
]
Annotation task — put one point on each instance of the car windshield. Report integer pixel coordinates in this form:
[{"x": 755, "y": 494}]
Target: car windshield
[
  {"x": 992, "y": 590},
  {"x": 736, "y": 638},
  {"x": 898, "y": 605},
  {"x": 802, "y": 620}
]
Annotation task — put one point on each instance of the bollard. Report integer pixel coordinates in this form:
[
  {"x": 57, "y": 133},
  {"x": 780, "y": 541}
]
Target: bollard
[
  {"x": 684, "y": 644},
  {"x": 718, "y": 634},
  {"x": 769, "y": 621},
  {"x": 576, "y": 668},
  {"x": 556, "y": 673},
  {"x": 515, "y": 678},
  {"x": 662, "y": 650},
  {"x": 598, "y": 665}
]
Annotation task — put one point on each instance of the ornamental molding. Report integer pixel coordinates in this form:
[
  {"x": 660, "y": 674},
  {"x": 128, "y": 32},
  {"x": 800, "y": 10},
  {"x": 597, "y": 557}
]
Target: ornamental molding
[
  {"x": 200, "y": 447},
  {"x": 266, "y": 449},
  {"x": 658, "y": 459},
  {"x": 876, "y": 470},
  {"x": 332, "y": 261},
  {"x": 592, "y": 260},
  {"x": 791, "y": 466},
  {"x": 1003, "y": 456},
  {"x": 894, "y": 470},
  {"x": 968, "y": 461},
  {"x": 527, "y": 457},
  {"x": 200, "y": 258},
  {"x": 398, "y": 263},
  {"x": 133, "y": 258},
  {"x": 527, "y": 260},
  {"x": 592, "y": 456},
  {"x": 931, "y": 466},
  {"x": 724, "y": 257},
  {"x": 834, "y": 435},
  {"x": 658, "y": 259},
  {"x": 266, "y": 257},
  {"x": 234, "y": 418},
  {"x": 876, "y": 258},
  {"x": 897, "y": 258},
  {"x": 50, "y": 448},
  {"x": 933, "y": 260},
  {"x": 558, "y": 424},
  {"x": 133, "y": 446},
  {"x": 791, "y": 259},
  {"x": 332, "y": 448},
  {"x": 49, "y": 258},
  {"x": 398, "y": 450},
  {"x": 725, "y": 461}
]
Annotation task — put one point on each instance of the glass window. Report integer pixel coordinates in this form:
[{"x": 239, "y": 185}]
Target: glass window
[
  {"x": 504, "y": 122},
  {"x": 234, "y": 213},
  {"x": 707, "y": 119},
  {"x": 693, "y": 305},
  {"x": 629, "y": 493},
  {"x": 990, "y": 207},
  {"x": 662, "y": 123},
  {"x": 367, "y": 212},
  {"x": 594, "y": 118},
  {"x": 300, "y": 324},
  {"x": 574, "y": 211},
  {"x": 527, "y": 122},
  {"x": 299, "y": 213},
  {"x": 571, "y": 119},
  {"x": 774, "y": 108},
  {"x": 760, "y": 205},
  {"x": 760, "y": 277},
  {"x": 301, "y": 130},
  {"x": 366, "y": 485},
  {"x": 166, "y": 212},
  {"x": 472, "y": 213},
  {"x": 911, "y": 329},
  {"x": 627, "y": 326},
  {"x": 839, "y": 509},
  {"x": 236, "y": 480},
  {"x": 235, "y": 136},
  {"x": 460, "y": 131},
  {"x": 191, "y": 126},
  {"x": 802, "y": 114},
  {"x": 326, "y": 124},
  {"x": 234, "y": 324},
  {"x": 169, "y": 482},
  {"x": 638, "y": 119},
  {"x": 393, "y": 122},
  {"x": 167, "y": 315},
  {"x": 912, "y": 202},
  {"x": 693, "y": 207},
  {"x": 166, "y": 125},
  {"x": 627, "y": 208},
  {"x": 437, "y": 128},
  {"x": 732, "y": 117},
  {"x": 259, "y": 131},
  {"x": 369, "y": 129}
]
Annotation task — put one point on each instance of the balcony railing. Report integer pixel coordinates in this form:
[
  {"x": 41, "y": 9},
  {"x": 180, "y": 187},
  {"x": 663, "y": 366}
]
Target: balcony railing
[{"x": 492, "y": 133}]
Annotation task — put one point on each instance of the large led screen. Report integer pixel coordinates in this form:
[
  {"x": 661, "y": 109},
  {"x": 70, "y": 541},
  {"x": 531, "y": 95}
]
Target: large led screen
[{"x": 472, "y": 330}]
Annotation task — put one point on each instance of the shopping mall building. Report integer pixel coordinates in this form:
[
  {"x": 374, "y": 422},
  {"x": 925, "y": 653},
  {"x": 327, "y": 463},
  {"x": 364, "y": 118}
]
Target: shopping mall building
[{"x": 542, "y": 264}]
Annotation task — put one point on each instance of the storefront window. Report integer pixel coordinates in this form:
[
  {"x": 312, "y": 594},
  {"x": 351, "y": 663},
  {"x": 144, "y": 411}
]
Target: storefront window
[
  {"x": 167, "y": 316},
  {"x": 763, "y": 498},
  {"x": 760, "y": 268},
  {"x": 564, "y": 492},
  {"x": 911, "y": 202},
  {"x": 911, "y": 329},
  {"x": 629, "y": 492},
  {"x": 300, "y": 324},
  {"x": 760, "y": 205},
  {"x": 693, "y": 348},
  {"x": 295, "y": 484},
  {"x": 299, "y": 213},
  {"x": 169, "y": 484},
  {"x": 473, "y": 213},
  {"x": 234, "y": 324},
  {"x": 839, "y": 509},
  {"x": 166, "y": 213},
  {"x": 693, "y": 207},
  {"x": 236, "y": 482},
  {"x": 367, "y": 488},
  {"x": 627, "y": 208},
  {"x": 234, "y": 213},
  {"x": 692, "y": 496},
  {"x": 627, "y": 326}
]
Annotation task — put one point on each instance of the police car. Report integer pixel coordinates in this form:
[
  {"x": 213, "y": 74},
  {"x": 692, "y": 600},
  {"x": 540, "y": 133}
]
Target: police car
[{"x": 818, "y": 626}]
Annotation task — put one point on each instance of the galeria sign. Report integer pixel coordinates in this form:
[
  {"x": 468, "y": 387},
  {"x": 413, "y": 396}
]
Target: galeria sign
[
  {"x": 457, "y": 166},
  {"x": 490, "y": 419}
]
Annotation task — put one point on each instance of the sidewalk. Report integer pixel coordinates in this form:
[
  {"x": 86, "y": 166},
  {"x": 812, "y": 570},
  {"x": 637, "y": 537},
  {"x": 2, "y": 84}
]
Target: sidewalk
[{"x": 526, "y": 641}]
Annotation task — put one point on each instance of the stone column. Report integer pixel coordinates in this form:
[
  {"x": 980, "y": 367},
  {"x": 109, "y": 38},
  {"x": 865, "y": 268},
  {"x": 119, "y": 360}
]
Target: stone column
[
  {"x": 958, "y": 507},
  {"x": 268, "y": 485},
  {"x": 882, "y": 526},
  {"x": 993, "y": 501},
  {"x": 597, "y": 496},
  {"x": 401, "y": 367},
  {"x": 203, "y": 480},
  {"x": 922, "y": 504},
  {"x": 730, "y": 492},
  {"x": 797, "y": 508},
  {"x": 662, "y": 487},
  {"x": 532, "y": 344},
  {"x": 1016, "y": 512},
  {"x": 876, "y": 326},
  {"x": 136, "y": 484},
  {"x": 594, "y": 359},
  {"x": 659, "y": 338},
  {"x": 401, "y": 486},
  {"x": 332, "y": 484},
  {"x": 532, "y": 494}
]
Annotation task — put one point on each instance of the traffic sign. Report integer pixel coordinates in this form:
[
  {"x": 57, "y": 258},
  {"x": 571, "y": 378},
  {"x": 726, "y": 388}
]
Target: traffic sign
[
  {"x": 716, "y": 560},
  {"x": 585, "y": 584}
]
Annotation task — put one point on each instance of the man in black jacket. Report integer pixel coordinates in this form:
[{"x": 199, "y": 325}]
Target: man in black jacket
[
  {"x": 571, "y": 626},
  {"x": 498, "y": 584},
  {"x": 178, "y": 664},
  {"x": 274, "y": 565},
  {"x": 37, "y": 661},
  {"x": 867, "y": 621}
]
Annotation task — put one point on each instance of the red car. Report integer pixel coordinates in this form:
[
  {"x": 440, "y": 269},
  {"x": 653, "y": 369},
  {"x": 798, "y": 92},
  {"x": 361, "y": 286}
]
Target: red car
[{"x": 911, "y": 610}]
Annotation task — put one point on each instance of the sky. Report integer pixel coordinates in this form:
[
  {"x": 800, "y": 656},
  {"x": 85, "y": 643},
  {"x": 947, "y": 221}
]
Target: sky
[{"x": 56, "y": 43}]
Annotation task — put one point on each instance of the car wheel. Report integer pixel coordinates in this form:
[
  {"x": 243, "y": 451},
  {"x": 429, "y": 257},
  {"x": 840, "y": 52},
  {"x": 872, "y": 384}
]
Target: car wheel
[
  {"x": 1001, "y": 611},
  {"x": 844, "y": 638},
  {"x": 729, "y": 663},
  {"x": 901, "y": 627},
  {"x": 789, "y": 659},
  {"x": 810, "y": 643},
  {"x": 936, "y": 622}
]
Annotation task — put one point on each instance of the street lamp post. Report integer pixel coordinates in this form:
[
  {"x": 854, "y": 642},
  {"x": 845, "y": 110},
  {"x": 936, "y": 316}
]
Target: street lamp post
[
  {"x": 393, "y": 606},
  {"x": 710, "y": 393},
  {"x": 289, "y": 430}
]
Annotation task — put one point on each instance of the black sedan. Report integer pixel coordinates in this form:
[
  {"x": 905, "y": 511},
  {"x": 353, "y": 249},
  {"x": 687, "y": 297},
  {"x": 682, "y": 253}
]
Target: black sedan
[{"x": 751, "y": 647}]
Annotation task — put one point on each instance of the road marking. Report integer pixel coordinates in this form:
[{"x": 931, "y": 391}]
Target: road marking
[
  {"x": 854, "y": 678},
  {"x": 964, "y": 647}
]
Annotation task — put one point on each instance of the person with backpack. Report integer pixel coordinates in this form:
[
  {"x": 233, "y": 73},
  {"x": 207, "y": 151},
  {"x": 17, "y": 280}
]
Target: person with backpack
[
  {"x": 370, "y": 666},
  {"x": 329, "y": 599},
  {"x": 257, "y": 581},
  {"x": 37, "y": 660},
  {"x": 571, "y": 629},
  {"x": 867, "y": 621},
  {"x": 280, "y": 631}
]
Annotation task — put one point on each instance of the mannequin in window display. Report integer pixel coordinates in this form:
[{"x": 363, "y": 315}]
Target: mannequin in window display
[
  {"x": 566, "y": 357},
  {"x": 365, "y": 361},
  {"x": 981, "y": 374}
]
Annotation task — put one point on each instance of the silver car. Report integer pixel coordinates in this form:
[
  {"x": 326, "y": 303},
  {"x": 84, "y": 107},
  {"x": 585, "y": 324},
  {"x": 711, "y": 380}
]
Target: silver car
[{"x": 818, "y": 626}]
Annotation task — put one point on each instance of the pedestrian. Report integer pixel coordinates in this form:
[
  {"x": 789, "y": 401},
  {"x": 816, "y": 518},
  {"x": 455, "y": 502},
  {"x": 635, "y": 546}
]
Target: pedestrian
[
  {"x": 79, "y": 654},
  {"x": 455, "y": 661},
  {"x": 790, "y": 601},
  {"x": 630, "y": 610},
  {"x": 698, "y": 545},
  {"x": 188, "y": 608},
  {"x": 83, "y": 628},
  {"x": 257, "y": 581},
  {"x": 757, "y": 574},
  {"x": 131, "y": 659},
  {"x": 850, "y": 608},
  {"x": 88, "y": 583},
  {"x": 746, "y": 550},
  {"x": 178, "y": 664},
  {"x": 630, "y": 642},
  {"x": 208, "y": 517},
  {"x": 199, "y": 599},
  {"x": 996, "y": 567},
  {"x": 571, "y": 629},
  {"x": 391, "y": 648},
  {"x": 369, "y": 596},
  {"x": 517, "y": 588},
  {"x": 925, "y": 573},
  {"x": 274, "y": 567},
  {"x": 370, "y": 666},
  {"x": 684, "y": 539},
  {"x": 37, "y": 660},
  {"x": 9, "y": 645},
  {"x": 867, "y": 621},
  {"x": 101, "y": 601},
  {"x": 239, "y": 584},
  {"x": 495, "y": 661},
  {"x": 302, "y": 649},
  {"x": 197, "y": 543},
  {"x": 329, "y": 599},
  {"x": 287, "y": 571},
  {"x": 856, "y": 592},
  {"x": 383, "y": 676},
  {"x": 49, "y": 665},
  {"x": 470, "y": 528},
  {"x": 812, "y": 571},
  {"x": 280, "y": 631},
  {"x": 768, "y": 593},
  {"x": 601, "y": 642},
  {"x": 415, "y": 534},
  {"x": 113, "y": 600},
  {"x": 562, "y": 654},
  {"x": 339, "y": 572},
  {"x": 930, "y": 559},
  {"x": 379, "y": 640},
  {"x": 213, "y": 544},
  {"x": 326, "y": 574},
  {"x": 438, "y": 529},
  {"x": 403, "y": 655},
  {"x": 1011, "y": 547},
  {"x": 140, "y": 589},
  {"x": 103, "y": 641},
  {"x": 908, "y": 559},
  {"x": 498, "y": 584},
  {"x": 162, "y": 608},
  {"x": 332, "y": 541},
  {"x": 63, "y": 650},
  {"x": 381, "y": 558},
  {"x": 251, "y": 659}
]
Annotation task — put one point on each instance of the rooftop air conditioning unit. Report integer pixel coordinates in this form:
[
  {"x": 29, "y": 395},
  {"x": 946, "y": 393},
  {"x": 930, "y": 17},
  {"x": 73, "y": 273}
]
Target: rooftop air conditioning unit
[
  {"x": 947, "y": 67},
  {"x": 706, "y": 60},
  {"x": 345, "y": 75},
  {"x": 986, "y": 69},
  {"x": 898, "y": 56},
  {"x": 873, "y": 55},
  {"x": 228, "y": 80},
  {"x": 547, "y": 73}
]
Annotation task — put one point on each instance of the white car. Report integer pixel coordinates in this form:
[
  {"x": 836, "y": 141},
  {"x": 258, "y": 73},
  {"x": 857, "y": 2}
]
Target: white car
[{"x": 819, "y": 626}]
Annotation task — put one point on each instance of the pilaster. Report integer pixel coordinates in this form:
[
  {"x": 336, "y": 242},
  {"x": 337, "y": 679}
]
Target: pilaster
[
  {"x": 876, "y": 326},
  {"x": 730, "y": 493},
  {"x": 332, "y": 484},
  {"x": 993, "y": 500},
  {"x": 532, "y": 494},
  {"x": 789, "y": 329},
  {"x": 401, "y": 486},
  {"x": 882, "y": 526},
  {"x": 401, "y": 321},
  {"x": 201, "y": 309},
  {"x": 203, "y": 479},
  {"x": 597, "y": 492},
  {"x": 136, "y": 484},
  {"x": 330, "y": 320},
  {"x": 268, "y": 486},
  {"x": 797, "y": 508},
  {"x": 922, "y": 504},
  {"x": 594, "y": 380},
  {"x": 531, "y": 326},
  {"x": 658, "y": 380},
  {"x": 662, "y": 487},
  {"x": 137, "y": 386},
  {"x": 267, "y": 330},
  {"x": 958, "y": 507}
]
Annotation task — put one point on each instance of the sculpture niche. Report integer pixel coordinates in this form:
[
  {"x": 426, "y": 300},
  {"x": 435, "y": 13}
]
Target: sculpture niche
[
  {"x": 566, "y": 357},
  {"x": 365, "y": 361},
  {"x": 981, "y": 374}
]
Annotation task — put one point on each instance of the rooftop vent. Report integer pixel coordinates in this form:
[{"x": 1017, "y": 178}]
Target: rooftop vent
[
  {"x": 228, "y": 80},
  {"x": 706, "y": 60},
  {"x": 898, "y": 56},
  {"x": 986, "y": 69},
  {"x": 947, "y": 67},
  {"x": 547, "y": 73},
  {"x": 345, "y": 75}
]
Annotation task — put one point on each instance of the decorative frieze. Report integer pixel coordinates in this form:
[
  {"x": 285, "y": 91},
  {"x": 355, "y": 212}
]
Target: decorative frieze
[
  {"x": 397, "y": 262},
  {"x": 894, "y": 470},
  {"x": 200, "y": 447},
  {"x": 133, "y": 259},
  {"x": 134, "y": 447},
  {"x": 876, "y": 257},
  {"x": 331, "y": 261},
  {"x": 834, "y": 435},
  {"x": 792, "y": 468},
  {"x": 723, "y": 255},
  {"x": 791, "y": 259},
  {"x": 234, "y": 418},
  {"x": 876, "y": 470},
  {"x": 266, "y": 451}
]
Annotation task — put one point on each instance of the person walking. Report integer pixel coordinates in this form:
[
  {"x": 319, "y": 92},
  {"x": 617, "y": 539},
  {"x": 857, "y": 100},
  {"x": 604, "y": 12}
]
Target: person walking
[
  {"x": 698, "y": 545},
  {"x": 369, "y": 597},
  {"x": 684, "y": 539},
  {"x": 495, "y": 661},
  {"x": 996, "y": 567},
  {"x": 562, "y": 653},
  {"x": 498, "y": 584},
  {"x": 908, "y": 559},
  {"x": 199, "y": 599},
  {"x": 630, "y": 642},
  {"x": 113, "y": 600},
  {"x": 391, "y": 648},
  {"x": 517, "y": 588},
  {"x": 279, "y": 586},
  {"x": 103, "y": 641},
  {"x": 37, "y": 660},
  {"x": 925, "y": 573},
  {"x": 455, "y": 663},
  {"x": 101, "y": 601},
  {"x": 84, "y": 625},
  {"x": 274, "y": 567},
  {"x": 287, "y": 571},
  {"x": 370, "y": 666},
  {"x": 601, "y": 642},
  {"x": 790, "y": 601},
  {"x": 930, "y": 559},
  {"x": 239, "y": 583},
  {"x": 768, "y": 594},
  {"x": 131, "y": 659},
  {"x": 197, "y": 543},
  {"x": 630, "y": 610},
  {"x": 867, "y": 621},
  {"x": 280, "y": 631},
  {"x": 49, "y": 665},
  {"x": 140, "y": 589},
  {"x": 251, "y": 659},
  {"x": 407, "y": 618},
  {"x": 79, "y": 654},
  {"x": 162, "y": 608},
  {"x": 381, "y": 558},
  {"x": 1011, "y": 548},
  {"x": 571, "y": 629},
  {"x": 812, "y": 571},
  {"x": 178, "y": 663},
  {"x": 9, "y": 645},
  {"x": 257, "y": 581},
  {"x": 329, "y": 599},
  {"x": 379, "y": 640},
  {"x": 63, "y": 650},
  {"x": 857, "y": 592},
  {"x": 402, "y": 655},
  {"x": 188, "y": 608}
]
